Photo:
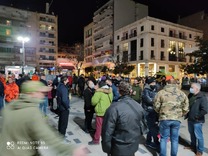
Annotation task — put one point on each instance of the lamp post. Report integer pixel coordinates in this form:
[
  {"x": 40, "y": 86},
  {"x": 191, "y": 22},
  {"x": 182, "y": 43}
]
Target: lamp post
[{"x": 23, "y": 40}]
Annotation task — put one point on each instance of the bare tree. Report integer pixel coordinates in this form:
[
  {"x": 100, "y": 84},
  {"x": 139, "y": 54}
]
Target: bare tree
[{"x": 79, "y": 50}]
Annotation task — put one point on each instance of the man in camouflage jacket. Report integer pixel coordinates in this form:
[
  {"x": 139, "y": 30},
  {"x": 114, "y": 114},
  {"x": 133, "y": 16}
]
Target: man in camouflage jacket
[{"x": 171, "y": 104}]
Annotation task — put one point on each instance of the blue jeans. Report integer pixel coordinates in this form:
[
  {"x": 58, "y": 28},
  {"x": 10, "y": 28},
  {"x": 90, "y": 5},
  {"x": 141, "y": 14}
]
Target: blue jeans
[
  {"x": 43, "y": 106},
  {"x": 169, "y": 128},
  {"x": 196, "y": 134}
]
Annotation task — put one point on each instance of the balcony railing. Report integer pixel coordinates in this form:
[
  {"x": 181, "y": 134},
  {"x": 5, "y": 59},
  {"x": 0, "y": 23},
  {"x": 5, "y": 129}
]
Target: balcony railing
[
  {"x": 162, "y": 58},
  {"x": 152, "y": 57},
  {"x": 124, "y": 38},
  {"x": 132, "y": 35}
]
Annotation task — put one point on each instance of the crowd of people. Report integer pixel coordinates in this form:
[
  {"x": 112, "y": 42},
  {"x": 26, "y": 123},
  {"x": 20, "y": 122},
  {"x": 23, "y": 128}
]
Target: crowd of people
[{"x": 118, "y": 107}]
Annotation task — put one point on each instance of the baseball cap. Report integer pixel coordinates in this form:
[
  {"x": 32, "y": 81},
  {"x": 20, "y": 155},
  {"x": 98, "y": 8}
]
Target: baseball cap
[{"x": 34, "y": 86}]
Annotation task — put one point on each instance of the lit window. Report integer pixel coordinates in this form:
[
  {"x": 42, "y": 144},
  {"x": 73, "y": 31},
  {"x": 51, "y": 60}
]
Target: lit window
[
  {"x": 49, "y": 27},
  {"x": 125, "y": 47},
  {"x": 8, "y": 32},
  {"x": 171, "y": 68},
  {"x": 8, "y": 22}
]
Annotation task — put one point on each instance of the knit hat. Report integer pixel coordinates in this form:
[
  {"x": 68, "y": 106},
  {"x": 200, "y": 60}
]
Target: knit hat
[
  {"x": 150, "y": 80},
  {"x": 101, "y": 84},
  {"x": 34, "y": 86}
]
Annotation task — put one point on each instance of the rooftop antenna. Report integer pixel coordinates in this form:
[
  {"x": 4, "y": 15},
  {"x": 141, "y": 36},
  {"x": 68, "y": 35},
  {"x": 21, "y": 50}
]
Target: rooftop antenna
[{"x": 48, "y": 6}]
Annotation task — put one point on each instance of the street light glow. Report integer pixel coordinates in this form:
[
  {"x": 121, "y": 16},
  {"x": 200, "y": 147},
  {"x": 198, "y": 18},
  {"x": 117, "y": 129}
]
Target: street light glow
[{"x": 23, "y": 39}]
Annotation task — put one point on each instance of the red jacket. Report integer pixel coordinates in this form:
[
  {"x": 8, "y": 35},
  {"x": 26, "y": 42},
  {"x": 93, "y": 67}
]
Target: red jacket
[
  {"x": 70, "y": 80},
  {"x": 11, "y": 92}
]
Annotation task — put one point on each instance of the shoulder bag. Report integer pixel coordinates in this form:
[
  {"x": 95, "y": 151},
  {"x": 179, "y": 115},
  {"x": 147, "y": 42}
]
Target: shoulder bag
[{"x": 143, "y": 122}]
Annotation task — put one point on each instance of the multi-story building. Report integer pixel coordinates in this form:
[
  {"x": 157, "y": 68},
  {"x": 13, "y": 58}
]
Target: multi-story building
[
  {"x": 47, "y": 40},
  {"x": 40, "y": 28},
  {"x": 108, "y": 18},
  {"x": 154, "y": 45},
  {"x": 200, "y": 22},
  {"x": 88, "y": 44}
]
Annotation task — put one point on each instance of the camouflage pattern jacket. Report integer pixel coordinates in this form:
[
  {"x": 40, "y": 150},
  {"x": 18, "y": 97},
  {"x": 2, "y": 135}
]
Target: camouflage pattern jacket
[{"x": 171, "y": 103}]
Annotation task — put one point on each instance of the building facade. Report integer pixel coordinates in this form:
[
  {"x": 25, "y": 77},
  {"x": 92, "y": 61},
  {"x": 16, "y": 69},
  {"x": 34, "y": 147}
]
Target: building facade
[
  {"x": 47, "y": 40},
  {"x": 41, "y": 29},
  {"x": 154, "y": 45},
  {"x": 108, "y": 18},
  {"x": 200, "y": 22},
  {"x": 88, "y": 45}
]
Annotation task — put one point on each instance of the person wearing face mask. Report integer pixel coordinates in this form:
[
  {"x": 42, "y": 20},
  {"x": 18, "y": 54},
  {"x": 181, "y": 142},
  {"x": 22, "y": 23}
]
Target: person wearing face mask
[
  {"x": 88, "y": 108},
  {"x": 196, "y": 117},
  {"x": 172, "y": 104},
  {"x": 148, "y": 96},
  {"x": 116, "y": 95}
]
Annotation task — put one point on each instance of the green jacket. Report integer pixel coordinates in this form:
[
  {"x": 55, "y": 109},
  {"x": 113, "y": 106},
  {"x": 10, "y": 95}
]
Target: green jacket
[
  {"x": 171, "y": 103},
  {"x": 102, "y": 100},
  {"x": 24, "y": 130},
  {"x": 138, "y": 95}
]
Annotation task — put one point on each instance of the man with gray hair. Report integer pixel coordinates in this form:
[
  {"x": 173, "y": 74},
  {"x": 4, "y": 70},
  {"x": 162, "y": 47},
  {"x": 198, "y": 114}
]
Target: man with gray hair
[
  {"x": 121, "y": 125},
  {"x": 197, "y": 110}
]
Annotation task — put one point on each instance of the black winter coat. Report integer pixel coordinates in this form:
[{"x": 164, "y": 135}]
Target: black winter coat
[
  {"x": 197, "y": 108},
  {"x": 88, "y": 93},
  {"x": 148, "y": 96},
  {"x": 121, "y": 128},
  {"x": 62, "y": 94}
]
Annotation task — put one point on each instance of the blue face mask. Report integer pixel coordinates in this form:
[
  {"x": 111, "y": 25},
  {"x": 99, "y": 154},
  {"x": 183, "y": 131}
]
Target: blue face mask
[{"x": 191, "y": 90}]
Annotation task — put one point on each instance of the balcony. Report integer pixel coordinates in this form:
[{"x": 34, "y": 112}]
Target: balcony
[
  {"x": 162, "y": 58},
  {"x": 132, "y": 35},
  {"x": 152, "y": 57},
  {"x": 181, "y": 59},
  {"x": 124, "y": 38},
  {"x": 178, "y": 36},
  {"x": 47, "y": 59}
]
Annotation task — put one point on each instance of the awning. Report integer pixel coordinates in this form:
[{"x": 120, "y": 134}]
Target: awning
[{"x": 68, "y": 67}]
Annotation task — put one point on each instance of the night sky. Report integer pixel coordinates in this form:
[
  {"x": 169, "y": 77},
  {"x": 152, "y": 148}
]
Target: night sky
[{"x": 73, "y": 15}]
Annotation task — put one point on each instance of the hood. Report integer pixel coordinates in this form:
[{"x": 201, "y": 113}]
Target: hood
[
  {"x": 199, "y": 95},
  {"x": 24, "y": 101},
  {"x": 171, "y": 88},
  {"x": 105, "y": 90},
  {"x": 147, "y": 86}
]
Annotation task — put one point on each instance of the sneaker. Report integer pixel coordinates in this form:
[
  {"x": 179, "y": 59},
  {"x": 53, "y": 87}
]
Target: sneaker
[
  {"x": 93, "y": 143},
  {"x": 151, "y": 145}
]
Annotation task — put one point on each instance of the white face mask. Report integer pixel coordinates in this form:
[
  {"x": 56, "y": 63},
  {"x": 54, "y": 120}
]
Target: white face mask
[
  {"x": 191, "y": 90},
  {"x": 59, "y": 79},
  {"x": 92, "y": 86}
]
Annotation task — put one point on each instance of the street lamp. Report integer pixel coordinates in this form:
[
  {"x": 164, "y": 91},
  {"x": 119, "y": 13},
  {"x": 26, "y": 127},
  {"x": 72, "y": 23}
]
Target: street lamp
[{"x": 23, "y": 40}]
